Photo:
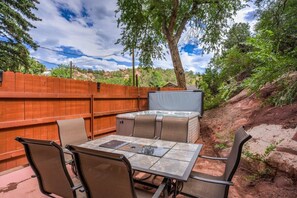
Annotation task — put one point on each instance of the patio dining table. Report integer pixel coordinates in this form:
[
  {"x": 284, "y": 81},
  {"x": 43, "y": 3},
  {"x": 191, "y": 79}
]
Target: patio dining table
[{"x": 172, "y": 160}]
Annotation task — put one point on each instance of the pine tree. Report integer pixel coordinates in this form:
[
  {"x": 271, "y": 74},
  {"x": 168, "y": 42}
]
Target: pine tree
[{"x": 15, "y": 17}]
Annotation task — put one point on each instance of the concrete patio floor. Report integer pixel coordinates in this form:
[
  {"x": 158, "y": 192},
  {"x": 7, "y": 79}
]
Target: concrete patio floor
[
  {"x": 23, "y": 183},
  {"x": 20, "y": 183}
]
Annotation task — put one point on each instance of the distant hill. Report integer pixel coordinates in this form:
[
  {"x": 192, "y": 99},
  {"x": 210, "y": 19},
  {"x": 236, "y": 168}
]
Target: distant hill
[{"x": 147, "y": 77}]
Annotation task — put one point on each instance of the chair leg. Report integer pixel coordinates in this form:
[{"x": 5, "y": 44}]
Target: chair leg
[{"x": 73, "y": 168}]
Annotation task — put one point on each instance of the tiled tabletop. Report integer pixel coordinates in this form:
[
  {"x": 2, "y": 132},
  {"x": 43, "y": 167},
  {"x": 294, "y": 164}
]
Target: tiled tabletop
[{"x": 176, "y": 163}]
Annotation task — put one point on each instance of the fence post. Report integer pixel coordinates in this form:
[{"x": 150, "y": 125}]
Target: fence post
[
  {"x": 92, "y": 116},
  {"x": 138, "y": 93},
  {"x": 71, "y": 69}
]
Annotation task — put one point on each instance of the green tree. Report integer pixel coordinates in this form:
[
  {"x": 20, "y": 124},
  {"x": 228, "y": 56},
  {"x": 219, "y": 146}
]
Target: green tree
[
  {"x": 270, "y": 65},
  {"x": 14, "y": 27},
  {"x": 156, "y": 79},
  {"x": 237, "y": 35},
  {"x": 148, "y": 25},
  {"x": 280, "y": 17},
  {"x": 232, "y": 64},
  {"x": 32, "y": 66},
  {"x": 62, "y": 71},
  {"x": 35, "y": 67},
  {"x": 275, "y": 50}
]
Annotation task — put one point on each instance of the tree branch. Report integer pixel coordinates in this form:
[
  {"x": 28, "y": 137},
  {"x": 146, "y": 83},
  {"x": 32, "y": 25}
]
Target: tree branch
[
  {"x": 173, "y": 15},
  {"x": 191, "y": 13},
  {"x": 185, "y": 20},
  {"x": 164, "y": 28},
  {"x": 206, "y": 1}
]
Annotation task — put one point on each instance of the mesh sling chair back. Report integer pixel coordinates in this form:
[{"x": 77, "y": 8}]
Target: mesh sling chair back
[
  {"x": 47, "y": 161},
  {"x": 174, "y": 129},
  {"x": 144, "y": 126},
  {"x": 105, "y": 174},
  {"x": 204, "y": 185},
  {"x": 72, "y": 131}
]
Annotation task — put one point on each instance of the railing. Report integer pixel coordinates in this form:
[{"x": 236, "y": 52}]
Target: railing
[{"x": 30, "y": 106}]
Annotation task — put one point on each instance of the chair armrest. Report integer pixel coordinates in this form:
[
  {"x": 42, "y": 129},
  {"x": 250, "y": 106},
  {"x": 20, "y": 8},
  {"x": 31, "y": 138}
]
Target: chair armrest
[
  {"x": 77, "y": 187},
  {"x": 66, "y": 151},
  {"x": 213, "y": 158},
  {"x": 160, "y": 189},
  {"x": 226, "y": 183}
]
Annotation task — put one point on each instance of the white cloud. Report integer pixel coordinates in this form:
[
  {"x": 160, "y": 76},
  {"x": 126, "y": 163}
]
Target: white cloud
[
  {"x": 54, "y": 30},
  {"x": 241, "y": 15},
  {"x": 86, "y": 62}
]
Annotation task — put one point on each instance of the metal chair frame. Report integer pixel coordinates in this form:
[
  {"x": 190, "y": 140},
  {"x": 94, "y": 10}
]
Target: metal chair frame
[
  {"x": 26, "y": 142},
  {"x": 228, "y": 177}
]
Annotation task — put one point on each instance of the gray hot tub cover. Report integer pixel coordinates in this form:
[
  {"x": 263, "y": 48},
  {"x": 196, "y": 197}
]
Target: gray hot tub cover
[{"x": 176, "y": 101}]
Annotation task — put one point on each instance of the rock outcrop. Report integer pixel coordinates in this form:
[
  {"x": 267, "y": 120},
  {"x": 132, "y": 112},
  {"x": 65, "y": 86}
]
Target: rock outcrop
[
  {"x": 284, "y": 156},
  {"x": 269, "y": 126}
]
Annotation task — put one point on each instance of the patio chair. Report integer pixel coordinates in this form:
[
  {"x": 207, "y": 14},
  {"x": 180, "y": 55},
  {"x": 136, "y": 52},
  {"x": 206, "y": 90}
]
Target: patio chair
[
  {"x": 105, "y": 174},
  {"x": 144, "y": 126},
  {"x": 174, "y": 129},
  {"x": 204, "y": 185},
  {"x": 47, "y": 161},
  {"x": 73, "y": 132}
]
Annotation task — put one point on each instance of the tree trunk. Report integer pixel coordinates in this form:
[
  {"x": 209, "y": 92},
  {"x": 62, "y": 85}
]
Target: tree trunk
[{"x": 177, "y": 64}]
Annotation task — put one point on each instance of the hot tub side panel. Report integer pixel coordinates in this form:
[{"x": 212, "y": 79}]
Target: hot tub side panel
[
  {"x": 193, "y": 130},
  {"x": 124, "y": 126}
]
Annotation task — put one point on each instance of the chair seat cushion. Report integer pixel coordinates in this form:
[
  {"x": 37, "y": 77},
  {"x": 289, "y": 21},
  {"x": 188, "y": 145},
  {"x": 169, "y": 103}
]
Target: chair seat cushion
[{"x": 202, "y": 189}]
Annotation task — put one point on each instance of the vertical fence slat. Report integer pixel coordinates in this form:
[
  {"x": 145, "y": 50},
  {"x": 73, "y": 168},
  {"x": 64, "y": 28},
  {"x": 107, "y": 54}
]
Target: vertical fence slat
[
  {"x": 28, "y": 81},
  {"x": 19, "y": 82},
  {"x": 8, "y": 82}
]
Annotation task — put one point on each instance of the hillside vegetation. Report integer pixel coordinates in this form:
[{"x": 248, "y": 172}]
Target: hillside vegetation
[{"x": 147, "y": 76}]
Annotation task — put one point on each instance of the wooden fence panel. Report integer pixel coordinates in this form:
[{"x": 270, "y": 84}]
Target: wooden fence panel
[
  {"x": 30, "y": 106},
  {"x": 104, "y": 124}
]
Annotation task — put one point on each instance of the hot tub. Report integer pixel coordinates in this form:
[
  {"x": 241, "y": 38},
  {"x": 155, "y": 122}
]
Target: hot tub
[
  {"x": 168, "y": 103},
  {"x": 125, "y": 122}
]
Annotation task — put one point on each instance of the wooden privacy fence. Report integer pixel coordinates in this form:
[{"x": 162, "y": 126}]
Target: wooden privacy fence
[{"x": 30, "y": 106}]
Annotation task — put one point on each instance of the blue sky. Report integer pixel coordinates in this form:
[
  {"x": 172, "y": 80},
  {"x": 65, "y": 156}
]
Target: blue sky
[{"x": 84, "y": 32}]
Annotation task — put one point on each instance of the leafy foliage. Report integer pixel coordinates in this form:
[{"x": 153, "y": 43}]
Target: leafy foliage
[
  {"x": 237, "y": 35},
  {"x": 32, "y": 67},
  {"x": 14, "y": 27},
  {"x": 220, "y": 146},
  {"x": 35, "y": 67},
  {"x": 254, "y": 61},
  {"x": 62, "y": 71},
  {"x": 280, "y": 17},
  {"x": 259, "y": 161},
  {"x": 270, "y": 64}
]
